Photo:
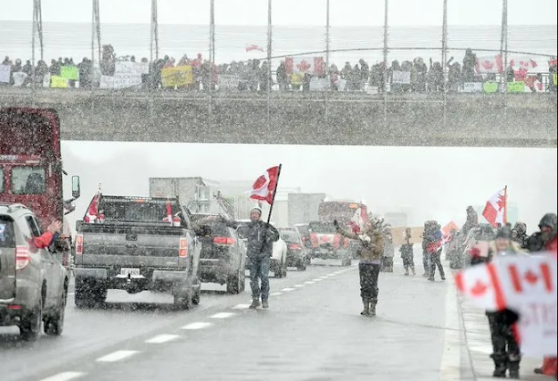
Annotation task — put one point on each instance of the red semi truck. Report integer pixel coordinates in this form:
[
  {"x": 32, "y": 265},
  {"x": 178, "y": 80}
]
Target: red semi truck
[{"x": 31, "y": 164}]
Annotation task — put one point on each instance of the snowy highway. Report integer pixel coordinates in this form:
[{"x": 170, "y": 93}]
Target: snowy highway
[{"x": 312, "y": 331}]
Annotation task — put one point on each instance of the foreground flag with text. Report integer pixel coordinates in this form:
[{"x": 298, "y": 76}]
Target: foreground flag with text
[
  {"x": 524, "y": 284},
  {"x": 496, "y": 210},
  {"x": 265, "y": 186}
]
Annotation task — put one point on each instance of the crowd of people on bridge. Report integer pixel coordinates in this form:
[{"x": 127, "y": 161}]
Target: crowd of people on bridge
[{"x": 255, "y": 75}]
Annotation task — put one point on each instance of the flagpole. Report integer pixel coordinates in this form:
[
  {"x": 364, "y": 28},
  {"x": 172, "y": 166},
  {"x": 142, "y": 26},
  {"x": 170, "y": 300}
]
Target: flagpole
[{"x": 274, "y": 193}]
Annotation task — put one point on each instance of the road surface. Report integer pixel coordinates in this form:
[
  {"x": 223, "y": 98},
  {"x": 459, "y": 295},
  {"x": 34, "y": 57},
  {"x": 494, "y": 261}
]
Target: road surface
[{"x": 312, "y": 332}]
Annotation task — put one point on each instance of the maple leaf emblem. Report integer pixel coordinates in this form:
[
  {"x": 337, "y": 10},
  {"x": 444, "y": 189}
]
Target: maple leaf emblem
[
  {"x": 479, "y": 289},
  {"x": 531, "y": 278},
  {"x": 303, "y": 66},
  {"x": 488, "y": 64}
]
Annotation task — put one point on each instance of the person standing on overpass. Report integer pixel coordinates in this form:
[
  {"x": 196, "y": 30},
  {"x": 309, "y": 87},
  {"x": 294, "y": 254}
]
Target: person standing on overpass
[{"x": 260, "y": 236}]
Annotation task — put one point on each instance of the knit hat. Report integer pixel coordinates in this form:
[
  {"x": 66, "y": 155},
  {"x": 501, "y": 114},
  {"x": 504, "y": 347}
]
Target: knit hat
[
  {"x": 257, "y": 209},
  {"x": 504, "y": 233}
]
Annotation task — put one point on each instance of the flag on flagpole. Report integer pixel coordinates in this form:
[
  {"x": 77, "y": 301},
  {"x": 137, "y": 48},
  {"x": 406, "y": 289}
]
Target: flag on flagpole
[
  {"x": 265, "y": 186},
  {"x": 93, "y": 210},
  {"x": 496, "y": 209}
]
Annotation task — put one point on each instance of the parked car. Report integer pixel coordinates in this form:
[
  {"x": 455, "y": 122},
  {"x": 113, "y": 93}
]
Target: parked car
[
  {"x": 279, "y": 257},
  {"x": 296, "y": 253},
  {"x": 304, "y": 231},
  {"x": 223, "y": 256},
  {"x": 327, "y": 243},
  {"x": 33, "y": 282}
]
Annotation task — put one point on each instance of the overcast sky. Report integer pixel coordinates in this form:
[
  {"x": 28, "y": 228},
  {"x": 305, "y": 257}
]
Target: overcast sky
[
  {"x": 384, "y": 177},
  {"x": 296, "y": 12}
]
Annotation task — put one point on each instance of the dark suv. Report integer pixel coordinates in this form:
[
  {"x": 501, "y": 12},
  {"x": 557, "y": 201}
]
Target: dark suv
[
  {"x": 223, "y": 256},
  {"x": 33, "y": 282},
  {"x": 296, "y": 252}
]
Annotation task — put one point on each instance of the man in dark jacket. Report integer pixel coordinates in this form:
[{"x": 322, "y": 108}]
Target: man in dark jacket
[
  {"x": 260, "y": 236},
  {"x": 432, "y": 243}
]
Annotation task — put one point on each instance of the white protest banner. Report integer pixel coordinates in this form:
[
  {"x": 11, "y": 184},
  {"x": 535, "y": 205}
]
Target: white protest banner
[
  {"x": 126, "y": 67},
  {"x": 342, "y": 85},
  {"x": 19, "y": 79},
  {"x": 106, "y": 82},
  {"x": 401, "y": 77},
  {"x": 124, "y": 81},
  {"x": 525, "y": 284},
  {"x": 5, "y": 71},
  {"x": 45, "y": 82},
  {"x": 229, "y": 82},
  {"x": 473, "y": 87},
  {"x": 319, "y": 84}
]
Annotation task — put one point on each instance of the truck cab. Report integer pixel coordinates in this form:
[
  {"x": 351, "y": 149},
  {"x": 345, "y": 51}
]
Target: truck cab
[{"x": 31, "y": 164}]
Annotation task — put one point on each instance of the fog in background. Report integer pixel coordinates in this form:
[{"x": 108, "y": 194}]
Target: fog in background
[{"x": 437, "y": 183}]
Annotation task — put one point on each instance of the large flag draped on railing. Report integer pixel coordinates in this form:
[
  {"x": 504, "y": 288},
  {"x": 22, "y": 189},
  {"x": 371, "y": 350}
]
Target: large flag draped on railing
[{"x": 524, "y": 284}]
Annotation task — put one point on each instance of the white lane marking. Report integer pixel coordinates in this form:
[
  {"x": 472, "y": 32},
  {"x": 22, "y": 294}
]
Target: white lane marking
[
  {"x": 317, "y": 280},
  {"x": 117, "y": 356},
  {"x": 223, "y": 315},
  {"x": 276, "y": 294},
  {"x": 451, "y": 356},
  {"x": 309, "y": 282},
  {"x": 299, "y": 286},
  {"x": 162, "y": 339},
  {"x": 197, "y": 325},
  {"x": 287, "y": 289},
  {"x": 241, "y": 307},
  {"x": 66, "y": 376}
]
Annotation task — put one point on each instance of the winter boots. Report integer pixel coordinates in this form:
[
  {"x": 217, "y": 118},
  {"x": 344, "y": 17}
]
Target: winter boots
[
  {"x": 373, "y": 307},
  {"x": 413, "y": 270},
  {"x": 366, "y": 310},
  {"x": 500, "y": 365},
  {"x": 406, "y": 270},
  {"x": 513, "y": 367},
  {"x": 255, "y": 304}
]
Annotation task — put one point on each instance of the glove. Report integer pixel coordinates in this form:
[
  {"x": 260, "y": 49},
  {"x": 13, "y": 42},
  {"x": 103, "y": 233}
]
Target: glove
[
  {"x": 365, "y": 238},
  {"x": 336, "y": 224}
]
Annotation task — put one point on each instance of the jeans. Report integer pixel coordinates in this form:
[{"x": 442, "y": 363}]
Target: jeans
[
  {"x": 426, "y": 262},
  {"x": 259, "y": 271},
  {"x": 436, "y": 262},
  {"x": 369, "y": 274}
]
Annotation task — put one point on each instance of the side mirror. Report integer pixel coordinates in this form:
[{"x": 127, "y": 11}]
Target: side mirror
[{"x": 76, "y": 189}]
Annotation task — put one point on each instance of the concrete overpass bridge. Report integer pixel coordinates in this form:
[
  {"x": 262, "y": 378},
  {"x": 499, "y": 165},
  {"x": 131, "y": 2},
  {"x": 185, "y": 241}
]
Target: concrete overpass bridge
[{"x": 483, "y": 120}]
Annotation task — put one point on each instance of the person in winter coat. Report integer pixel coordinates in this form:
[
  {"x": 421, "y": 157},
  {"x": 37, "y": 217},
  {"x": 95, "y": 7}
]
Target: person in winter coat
[
  {"x": 548, "y": 237},
  {"x": 389, "y": 250},
  {"x": 48, "y": 237},
  {"x": 472, "y": 221},
  {"x": 506, "y": 351},
  {"x": 519, "y": 234},
  {"x": 260, "y": 236},
  {"x": 372, "y": 249},
  {"x": 406, "y": 251},
  {"x": 433, "y": 246}
]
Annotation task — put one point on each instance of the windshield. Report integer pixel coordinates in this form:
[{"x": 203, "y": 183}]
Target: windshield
[
  {"x": 28, "y": 180},
  {"x": 303, "y": 229},
  {"x": 7, "y": 238},
  {"x": 290, "y": 237},
  {"x": 148, "y": 212},
  {"x": 322, "y": 228}
]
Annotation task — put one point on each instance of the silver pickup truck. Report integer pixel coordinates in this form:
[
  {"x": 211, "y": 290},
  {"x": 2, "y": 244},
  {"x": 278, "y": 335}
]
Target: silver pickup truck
[{"x": 136, "y": 244}]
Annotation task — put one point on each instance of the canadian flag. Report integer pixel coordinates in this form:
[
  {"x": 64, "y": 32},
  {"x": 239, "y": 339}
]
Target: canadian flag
[
  {"x": 359, "y": 219},
  {"x": 523, "y": 63},
  {"x": 490, "y": 65},
  {"x": 265, "y": 186},
  {"x": 496, "y": 210},
  {"x": 310, "y": 65},
  {"x": 93, "y": 210},
  {"x": 253, "y": 47},
  {"x": 481, "y": 284}
]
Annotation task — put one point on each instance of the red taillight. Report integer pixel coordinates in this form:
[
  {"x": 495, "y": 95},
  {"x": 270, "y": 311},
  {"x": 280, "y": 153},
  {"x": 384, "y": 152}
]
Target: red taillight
[
  {"x": 325, "y": 239},
  {"x": 23, "y": 257},
  {"x": 295, "y": 246},
  {"x": 14, "y": 307},
  {"x": 183, "y": 249},
  {"x": 224, "y": 241},
  {"x": 79, "y": 244}
]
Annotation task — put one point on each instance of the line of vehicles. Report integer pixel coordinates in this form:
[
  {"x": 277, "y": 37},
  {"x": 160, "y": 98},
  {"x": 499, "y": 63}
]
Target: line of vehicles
[{"x": 128, "y": 243}]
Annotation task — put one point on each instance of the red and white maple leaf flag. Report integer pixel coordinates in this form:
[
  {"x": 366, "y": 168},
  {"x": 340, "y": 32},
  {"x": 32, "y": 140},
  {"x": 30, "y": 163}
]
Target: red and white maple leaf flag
[
  {"x": 490, "y": 64},
  {"x": 496, "y": 210},
  {"x": 481, "y": 285},
  {"x": 310, "y": 65},
  {"x": 265, "y": 186},
  {"x": 93, "y": 210},
  {"x": 253, "y": 47}
]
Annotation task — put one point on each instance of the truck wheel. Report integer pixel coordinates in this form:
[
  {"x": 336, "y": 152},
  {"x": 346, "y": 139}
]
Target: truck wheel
[
  {"x": 30, "y": 327},
  {"x": 301, "y": 266},
  {"x": 182, "y": 301},
  {"x": 55, "y": 326},
  {"x": 284, "y": 269},
  {"x": 197, "y": 297}
]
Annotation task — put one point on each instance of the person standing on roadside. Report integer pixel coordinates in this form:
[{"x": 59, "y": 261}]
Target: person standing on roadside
[
  {"x": 371, "y": 251},
  {"x": 260, "y": 236},
  {"x": 406, "y": 251}
]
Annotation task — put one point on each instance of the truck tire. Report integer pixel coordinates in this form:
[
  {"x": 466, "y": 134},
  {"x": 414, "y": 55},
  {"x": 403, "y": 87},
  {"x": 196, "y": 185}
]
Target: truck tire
[
  {"x": 302, "y": 265},
  {"x": 54, "y": 326},
  {"x": 182, "y": 301},
  {"x": 30, "y": 327}
]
